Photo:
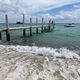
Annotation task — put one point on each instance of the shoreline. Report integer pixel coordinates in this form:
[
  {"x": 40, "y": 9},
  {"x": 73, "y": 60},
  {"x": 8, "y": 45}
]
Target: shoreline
[
  {"x": 46, "y": 51},
  {"x": 15, "y": 65}
]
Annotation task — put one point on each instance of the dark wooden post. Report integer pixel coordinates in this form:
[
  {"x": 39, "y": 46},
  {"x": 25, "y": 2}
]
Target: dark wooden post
[
  {"x": 36, "y": 25},
  {"x": 49, "y": 27},
  {"x": 30, "y": 26},
  {"x": 24, "y": 31},
  {"x": 7, "y": 26},
  {"x": 42, "y": 25},
  {"x": 44, "y": 29},
  {"x": 53, "y": 23},
  {"x": 0, "y": 36}
]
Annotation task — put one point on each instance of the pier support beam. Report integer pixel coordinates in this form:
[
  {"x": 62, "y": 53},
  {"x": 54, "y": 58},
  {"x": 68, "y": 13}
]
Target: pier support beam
[
  {"x": 24, "y": 31},
  {"x": 30, "y": 26},
  {"x": 42, "y": 25},
  {"x": 7, "y": 31}
]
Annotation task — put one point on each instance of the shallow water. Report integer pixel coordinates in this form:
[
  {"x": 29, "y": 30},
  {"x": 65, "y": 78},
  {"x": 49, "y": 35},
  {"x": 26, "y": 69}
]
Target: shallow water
[{"x": 60, "y": 37}]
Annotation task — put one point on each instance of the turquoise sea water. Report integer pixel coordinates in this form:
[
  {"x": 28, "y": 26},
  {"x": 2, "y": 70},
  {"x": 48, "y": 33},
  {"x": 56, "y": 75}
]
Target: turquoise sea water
[{"x": 60, "y": 37}]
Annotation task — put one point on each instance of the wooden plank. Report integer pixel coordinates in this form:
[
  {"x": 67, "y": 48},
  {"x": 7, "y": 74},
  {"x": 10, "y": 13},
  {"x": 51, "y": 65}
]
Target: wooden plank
[
  {"x": 19, "y": 28},
  {"x": 16, "y": 28},
  {"x": 3, "y": 29}
]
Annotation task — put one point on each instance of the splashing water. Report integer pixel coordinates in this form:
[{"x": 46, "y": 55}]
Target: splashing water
[{"x": 19, "y": 63}]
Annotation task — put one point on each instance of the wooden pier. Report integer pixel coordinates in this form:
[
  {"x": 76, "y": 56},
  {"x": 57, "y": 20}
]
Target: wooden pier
[{"x": 43, "y": 27}]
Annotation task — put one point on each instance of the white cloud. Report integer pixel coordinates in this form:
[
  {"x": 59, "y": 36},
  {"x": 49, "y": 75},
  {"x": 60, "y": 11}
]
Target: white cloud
[
  {"x": 65, "y": 16},
  {"x": 68, "y": 16},
  {"x": 17, "y": 7},
  {"x": 76, "y": 6},
  {"x": 31, "y": 6}
]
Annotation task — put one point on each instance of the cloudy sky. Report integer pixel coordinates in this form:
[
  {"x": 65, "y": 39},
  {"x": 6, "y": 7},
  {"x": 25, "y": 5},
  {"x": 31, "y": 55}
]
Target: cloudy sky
[{"x": 59, "y": 10}]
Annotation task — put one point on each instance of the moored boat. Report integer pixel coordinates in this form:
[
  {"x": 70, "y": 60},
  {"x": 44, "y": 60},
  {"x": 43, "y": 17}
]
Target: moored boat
[
  {"x": 70, "y": 25},
  {"x": 19, "y": 22}
]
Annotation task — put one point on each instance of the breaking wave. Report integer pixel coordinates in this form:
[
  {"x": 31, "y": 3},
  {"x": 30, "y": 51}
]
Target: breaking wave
[
  {"x": 18, "y": 63},
  {"x": 54, "y": 52}
]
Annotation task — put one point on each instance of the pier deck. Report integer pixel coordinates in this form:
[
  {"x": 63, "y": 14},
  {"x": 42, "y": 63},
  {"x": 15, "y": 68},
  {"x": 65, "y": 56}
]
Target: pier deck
[
  {"x": 18, "y": 28},
  {"x": 37, "y": 27}
]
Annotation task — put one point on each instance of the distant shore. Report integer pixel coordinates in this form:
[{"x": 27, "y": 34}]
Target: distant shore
[{"x": 15, "y": 65}]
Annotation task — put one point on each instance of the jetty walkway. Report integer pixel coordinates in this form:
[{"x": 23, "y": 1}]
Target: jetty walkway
[{"x": 48, "y": 27}]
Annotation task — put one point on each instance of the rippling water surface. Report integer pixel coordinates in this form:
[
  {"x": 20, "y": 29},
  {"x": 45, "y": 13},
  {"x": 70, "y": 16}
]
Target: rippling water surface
[{"x": 60, "y": 37}]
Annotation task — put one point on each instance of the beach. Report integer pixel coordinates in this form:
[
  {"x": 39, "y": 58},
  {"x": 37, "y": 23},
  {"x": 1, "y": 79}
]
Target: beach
[
  {"x": 39, "y": 40},
  {"x": 35, "y": 63}
]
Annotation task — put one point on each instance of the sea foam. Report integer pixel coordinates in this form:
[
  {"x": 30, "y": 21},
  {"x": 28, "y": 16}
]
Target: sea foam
[
  {"x": 54, "y": 52},
  {"x": 17, "y": 64}
]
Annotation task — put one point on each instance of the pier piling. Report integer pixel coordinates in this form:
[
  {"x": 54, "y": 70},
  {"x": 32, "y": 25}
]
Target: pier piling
[
  {"x": 30, "y": 26},
  {"x": 0, "y": 36},
  {"x": 42, "y": 25},
  {"x": 46, "y": 28},
  {"x": 7, "y": 31},
  {"x": 49, "y": 27},
  {"x": 7, "y": 36},
  {"x": 53, "y": 24},
  {"x": 24, "y": 31},
  {"x": 37, "y": 25}
]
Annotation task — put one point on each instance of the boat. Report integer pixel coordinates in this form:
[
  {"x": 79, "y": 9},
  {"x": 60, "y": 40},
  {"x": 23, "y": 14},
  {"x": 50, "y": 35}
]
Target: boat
[
  {"x": 19, "y": 22},
  {"x": 70, "y": 25}
]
